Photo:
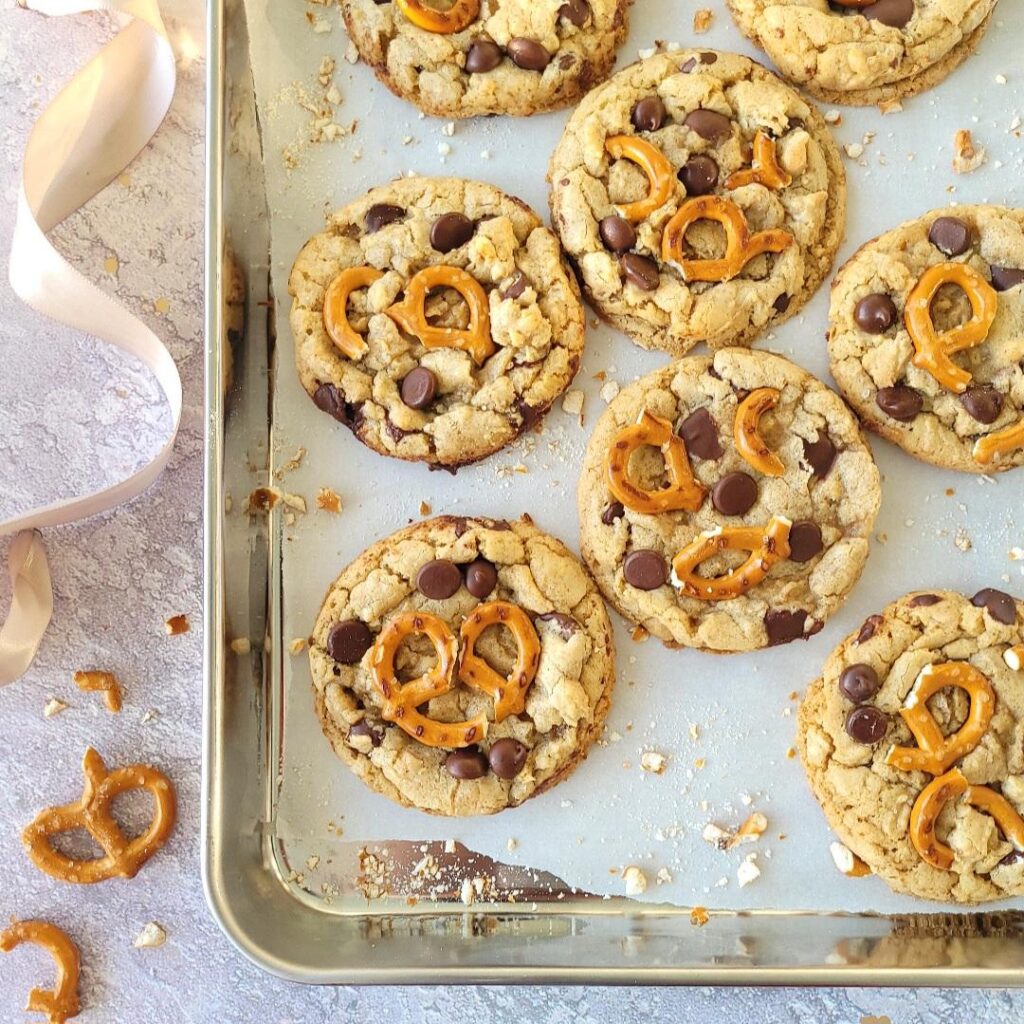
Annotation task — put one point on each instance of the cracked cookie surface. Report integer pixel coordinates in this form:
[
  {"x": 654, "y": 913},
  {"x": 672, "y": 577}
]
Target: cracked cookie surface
[
  {"x": 890, "y": 50},
  {"x": 867, "y": 802},
  {"x": 515, "y": 57},
  {"x": 702, "y": 111},
  {"x": 565, "y": 705},
  {"x": 460, "y": 410},
  {"x": 829, "y": 484},
  {"x": 872, "y": 353}
]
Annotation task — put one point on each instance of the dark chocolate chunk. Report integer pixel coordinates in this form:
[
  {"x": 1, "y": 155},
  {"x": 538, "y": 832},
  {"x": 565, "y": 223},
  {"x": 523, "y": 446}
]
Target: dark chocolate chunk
[
  {"x": 616, "y": 510},
  {"x": 859, "y": 683},
  {"x": 734, "y": 494},
  {"x": 866, "y": 724},
  {"x": 483, "y": 56},
  {"x": 783, "y": 626},
  {"x": 528, "y": 54},
  {"x": 699, "y": 432},
  {"x": 438, "y": 579},
  {"x": 1005, "y": 278},
  {"x": 648, "y": 114},
  {"x": 699, "y": 175},
  {"x": 348, "y": 641},
  {"x": 330, "y": 400},
  {"x": 575, "y": 11},
  {"x": 451, "y": 230},
  {"x": 950, "y": 235},
  {"x": 565, "y": 624},
  {"x": 875, "y": 313},
  {"x": 781, "y": 303},
  {"x": 645, "y": 569},
  {"x": 820, "y": 454},
  {"x": 507, "y": 758},
  {"x": 894, "y": 13},
  {"x": 617, "y": 233},
  {"x": 923, "y": 601},
  {"x": 516, "y": 286},
  {"x": 984, "y": 403},
  {"x": 643, "y": 272},
  {"x": 900, "y": 402},
  {"x": 419, "y": 388},
  {"x": 363, "y": 729},
  {"x": 997, "y": 603},
  {"x": 466, "y": 764},
  {"x": 804, "y": 541},
  {"x": 481, "y": 578},
  {"x": 381, "y": 214},
  {"x": 709, "y": 124},
  {"x": 870, "y": 628}
]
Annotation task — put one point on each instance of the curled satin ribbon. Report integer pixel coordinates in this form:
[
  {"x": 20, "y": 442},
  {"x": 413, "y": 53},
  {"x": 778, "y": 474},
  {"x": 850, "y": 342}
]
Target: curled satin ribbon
[{"x": 93, "y": 129}]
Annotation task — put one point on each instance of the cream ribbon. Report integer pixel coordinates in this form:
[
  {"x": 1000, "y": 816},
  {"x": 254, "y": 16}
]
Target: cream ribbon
[{"x": 97, "y": 124}]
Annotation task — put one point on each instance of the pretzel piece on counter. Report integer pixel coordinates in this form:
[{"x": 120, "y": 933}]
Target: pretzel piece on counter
[
  {"x": 61, "y": 1003},
  {"x": 101, "y": 682},
  {"x": 660, "y": 175},
  {"x": 1002, "y": 442},
  {"x": 336, "y": 321},
  {"x": 764, "y": 168},
  {"x": 745, "y": 432},
  {"x": 460, "y": 15}
]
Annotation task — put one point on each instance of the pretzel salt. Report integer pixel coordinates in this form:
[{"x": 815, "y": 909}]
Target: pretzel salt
[
  {"x": 336, "y": 322},
  {"x": 745, "y": 432},
  {"x": 1001, "y": 442},
  {"x": 410, "y": 313},
  {"x": 741, "y": 246},
  {"x": 766, "y": 544},
  {"x": 684, "y": 490},
  {"x": 101, "y": 682},
  {"x": 653, "y": 163},
  {"x": 61, "y": 1003},
  {"x": 461, "y": 14},
  {"x": 932, "y": 347},
  {"x": 764, "y": 168},
  {"x": 934, "y": 752},
  {"x": 509, "y": 693},
  {"x": 122, "y": 857}
]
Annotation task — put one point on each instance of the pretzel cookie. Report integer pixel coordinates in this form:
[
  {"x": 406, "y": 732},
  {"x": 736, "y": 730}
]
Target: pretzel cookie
[
  {"x": 911, "y": 740},
  {"x": 473, "y": 57},
  {"x": 700, "y": 198},
  {"x": 926, "y": 337},
  {"x": 859, "y": 51},
  {"x": 726, "y": 502},
  {"x": 436, "y": 318},
  {"x": 462, "y": 666}
]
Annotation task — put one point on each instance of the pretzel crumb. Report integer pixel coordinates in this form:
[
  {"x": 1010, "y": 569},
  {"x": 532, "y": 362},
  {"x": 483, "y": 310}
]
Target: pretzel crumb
[
  {"x": 176, "y": 625},
  {"x": 702, "y": 20},
  {"x": 425, "y": 508},
  {"x": 297, "y": 646},
  {"x": 847, "y": 861},
  {"x": 262, "y": 500},
  {"x": 328, "y": 500},
  {"x": 967, "y": 154},
  {"x": 291, "y": 464},
  {"x": 572, "y": 403},
  {"x": 699, "y": 917},
  {"x": 241, "y": 645},
  {"x": 726, "y": 839},
  {"x": 151, "y": 937},
  {"x": 100, "y": 682}
]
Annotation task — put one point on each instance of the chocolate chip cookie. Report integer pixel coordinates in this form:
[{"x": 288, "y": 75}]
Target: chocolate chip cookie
[
  {"x": 436, "y": 318},
  {"x": 750, "y": 525},
  {"x": 700, "y": 198},
  {"x": 861, "y": 52},
  {"x": 926, "y": 337},
  {"x": 462, "y": 666},
  {"x": 488, "y": 56},
  {"x": 911, "y": 740}
]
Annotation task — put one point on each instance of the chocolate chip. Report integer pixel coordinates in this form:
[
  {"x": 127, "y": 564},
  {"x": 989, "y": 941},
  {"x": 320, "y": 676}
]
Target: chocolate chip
[
  {"x": 894, "y": 13},
  {"x": 997, "y": 603},
  {"x": 438, "y": 579},
  {"x": 507, "y": 758},
  {"x": 648, "y": 114},
  {"x": 699, "y": 175},
  {"x": 804, "y": 541},
  {"x": 643, "y": 272},
  {"x": 923, "y": 601},
  {"x": 783, "y": 626},
  {"x": 616, "y": 510},
  {"x": 481, "y": 578},
  {"x": 528, "y": 54},
  {"x": 735, "y": 494},
  {"x": 900, "y": 402},
  {"x": 381, "y": 214},
  {"x": 483, "y": 56},
  {"x": 708, "y": 58},
  {"x": 867, "y": 724},
  {"x": 709, "y": 124},
  {"x": 859, "y": 683},
  {"x": 645, "y": 569},
  {"x": 950, "y": 235},
  {"x": 870, "y": 628},
  {"x": 565, "y": 624},
  {"x": 1013, "y": 857},
  {"x": 466, "y": 764},
  {"x": 348, "y": 641},
  {"x": 781, "y": 304},
  {"x": 330, "y": 400},
  {"x": 617, "y": 233},
  {"x": 688, "y": 65},
  {"x": 419, "y": 388},
  {"x": 983, "y": 403},
  {"x": 875, "y": 313},
  {"x": 516, "y": 286},
  {"x": 1005, "y": 278},
  {"x": 363, "y": 729},
  {"x": 576, "y": 11},
  {"x": 451, "y": 230},
  {"x": 699, "y": 431},
  {"x": 532, "y": 415},
  {"x": 820, "y": 454}
]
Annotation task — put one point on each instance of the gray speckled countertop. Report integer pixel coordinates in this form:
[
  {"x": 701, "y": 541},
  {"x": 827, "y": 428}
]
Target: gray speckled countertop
[{"x": 72, "y": 416}]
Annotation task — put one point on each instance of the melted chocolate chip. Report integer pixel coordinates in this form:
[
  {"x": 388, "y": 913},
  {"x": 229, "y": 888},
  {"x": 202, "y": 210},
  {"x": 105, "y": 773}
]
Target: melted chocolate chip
[
  {"x": 363, "y": 728},
  {"x": 1013, "y": 857},
  {"x": 734, "y": 494},
  {"x": 699, "y": 175},
  {"x": 923, "y": 601},
  {"x": 466, "y": 764},
  {"x": 709, "y": 124},
  {"x": 820, "y": 454},
  {"x": 645, "y": 569},
  {"x": 330, "y": 400},
  {"x": 900, "y": 402},
  {"x": 804, "y": 541},
  {"x": 481, "y": 578},
  {"x": 894, "y": 13},
  {"x": 451, "y": 230},
  {"x": 859, "y": 683},
  {"x": 438, "y": 579},
  {"x": 483, "y": 56},
  {"x": 699, "y": 432},
  {"x": 648, "y": 114},
  {"x": 866, "y": 724},
  {"x": 380, "y": 215},
  {"x": 419, "y": 388},
  {"x": 617, "y": 233},
  {"x": 532, "y": 415},
  {"x": 643, "y": 272},
  {"x": 1005, "y": 278},
  {"x": 781, "y": 303},
  {"x": 782, "y": 626},
  {"x": 870, "y": 628},
  {"x": 875, "y": 313},
  {"x": 516, "y": 286},
  {"x": 997, "y": 603},
  {"x": 983, "y": 403},
  {"x": 565, "y": 624},
  {"x": 348, "y": 641},
  {"x": 575, "y": 11},
  {"x": 950, "y": 235},
  {"x": 507, "y": 758},
  {"x": 528, "y": 54},
  {"x": 616, "y": 510}
]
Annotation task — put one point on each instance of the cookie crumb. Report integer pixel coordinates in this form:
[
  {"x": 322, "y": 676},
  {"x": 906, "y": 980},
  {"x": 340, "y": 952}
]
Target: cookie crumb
[
  {"x": 890, "y": 107},
  {"x": 653, "y": 762},
  {"x": 748, "y": 871},
  {"x": 297, "y": 646},
  {"x": 151, "y": 937},
  {"x": 512, "y": 844},
  {"x": 664, "y": 876},
  {"x": 425, "y": 508},
  {"x": 634, "y": 880},
  {"x": 699, "y": 917},
  {"x": 702, "y": 20},
  {"x": 854, "y": 149},
  {"x": 967, "y": 154},
  {"x": 572, "y": 403},
  {"x": 262, "y": 500},
  {"x": 328, "y": 500},
  {"x": 54, "y": 706},
  {"x": 609, "y": 390},
  {"x": 176, "y": 625},
  {"x": 241, "y": 645},
  {"x": 833, "y": 117}
]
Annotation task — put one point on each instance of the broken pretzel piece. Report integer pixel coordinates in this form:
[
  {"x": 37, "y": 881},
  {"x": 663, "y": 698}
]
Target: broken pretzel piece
[
  {"x": 101, "y": 682},
  {"x": 61, "y": 1003}
]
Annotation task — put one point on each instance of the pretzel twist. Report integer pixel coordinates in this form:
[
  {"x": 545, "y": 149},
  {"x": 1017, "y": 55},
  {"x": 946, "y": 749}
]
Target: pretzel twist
[
  {"x": 653, "y": 163},
  {"x": 932, "y": 348},
  {"x": 740, "y": 248},
  {"x": 122, "y": 857},
  {"x": 1001, "y": 442},
  {"x": 764, "y": 168},
  {"x": 62, "y": 1002},
  {"x": 766, "y": 544},
  {"x": 461, "y": 14},
  {"x": 509, "y": 693},
  {"x": 410, "y": 313},
  {"x": 101, "y": 682},
  {"x": 684, "y": 490},
  {"x": 746, "y": 437},
  {"x": 934, "y": 752},
  {"x": 336, "y": 321}
]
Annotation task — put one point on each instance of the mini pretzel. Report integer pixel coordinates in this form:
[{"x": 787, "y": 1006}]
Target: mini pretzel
[
  {"x": 683, "y": 492},
  {"x": 764, "y": 169},
  {"x": 336, "y": 321},
  {"x": 122, "y": 857},
  {"x": 766, "y": 544},
  {"x": 401, "y": 700},
  {"x": 62, "y": 1002},
  {"x": 741, "y": 246},
  {"x": 102, "y": 682},
  {"x": 653, "y": 163},
  {"x": 455, "y": 19},
  {"x": 745, "y": 432},
  {"x": 1002, "y": 442},
  {"x": 410, "y": 313},
  {"x": 933, "y": 348},
  {"x": 934, "y": 797},
  {"x": 934, "y": 752},
  {"x": 509, "y": 693}
]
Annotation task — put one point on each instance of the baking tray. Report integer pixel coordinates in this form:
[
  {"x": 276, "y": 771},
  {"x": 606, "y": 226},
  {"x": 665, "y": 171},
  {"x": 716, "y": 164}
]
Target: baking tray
[{"x": 261, "y": 740}]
